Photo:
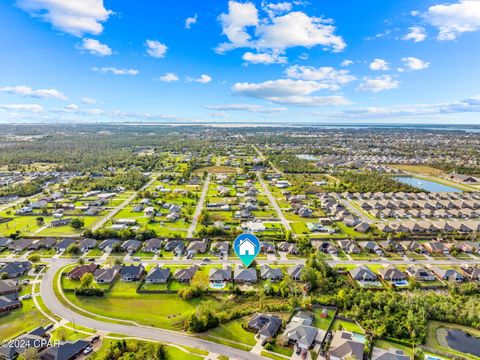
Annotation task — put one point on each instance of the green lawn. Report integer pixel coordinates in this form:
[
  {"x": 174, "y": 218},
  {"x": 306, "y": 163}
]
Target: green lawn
[
  {"x": 346, "y": 325},
  {"x": 323, "y": 323},
  {"x": 234, "y": 331},
  {"x": 21, "y": 320}
]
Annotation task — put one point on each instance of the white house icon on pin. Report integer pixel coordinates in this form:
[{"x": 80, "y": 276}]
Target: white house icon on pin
[{"x": 246, "y": 247}]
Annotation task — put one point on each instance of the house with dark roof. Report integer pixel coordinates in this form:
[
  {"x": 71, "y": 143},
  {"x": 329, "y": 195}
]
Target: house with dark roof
[
  {"x": 15, "y": 269},
  {"x": 266, "y": 325},
  {"x": 79, "y": 271},
  {"x": 363, "y": 274},
  {"x": 106, "y": 275},
  {"x": 20, "y": 245},
  {"x": 391, "y": 274},
  {"x": 87, "y": 244},
  {"x": 131, "y": 272},
  {"x": 185, "y": 275},
  {"x": 221, "y": 248},
  {"x": 175, "y": 246},
  {"x": 270, "y": 273},
  {"x": 5, "y": 242},
  {"x": 46, "y": 243},
  {"x": 197, "y": 246},
  {"x": 244, "y": 275},
  {"x": 158, "y": 275},
  {"x": 22, "y": 343},
  {"x": 372, "y": 248},
  {"x": 420, "y": 274},
  {"x": 68, "y": 350},
  {"x": 152, "y": 245},
  {"x": 107, "y": 244},
  {"x": 345, "y": 346},
  {"x": 447, "y": 274},
  {"x": 9, "y": 295},
  {"x": 130, "y": 246},
  {"x": 63, "y": 245},
  {"x": 222, "y": 275},
  {"x": 350, "y": 247},
  {"x": 295, "y": 272}
]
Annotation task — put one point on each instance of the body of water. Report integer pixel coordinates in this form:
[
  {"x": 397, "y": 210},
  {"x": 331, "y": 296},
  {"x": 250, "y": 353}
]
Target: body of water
[
  {"x": 426, "y": 185},
  {"x": 307, "y": 157},
  {"x": 461, "y": 341}
]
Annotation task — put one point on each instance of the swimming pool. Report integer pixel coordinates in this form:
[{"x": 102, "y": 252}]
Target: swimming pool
[
  {"x": 217, "y": 285},
  {"x": 359, "y": 337},
  {"x": 429, "y": 357},
  {"x": 401, "y": 283}
]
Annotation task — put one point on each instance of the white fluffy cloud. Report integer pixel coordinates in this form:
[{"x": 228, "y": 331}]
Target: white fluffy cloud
[
  {"x": 34, "y": 108},
  {"x": 278, "y": 8},
  {"x": 380, "y": 83},
  {"x": 379, "y": 64},
  {"x": 89, "y": 100},
  {"x": 169, "y": 77},
  {"x": 156, "y": 49},
  {"x": 244, "y": 29},
  {"x": 235, "y": 23},
  {"x": 471, "y": 105},
  {"x": 415, "y": 34},
  {"x": 326, "y": 75},
  {"x": 264, "y": 58},
  {"x": 27, "y": 91},
  {"x": 203, "y": 79},
  {"x": 346, "y": 63},
  {"x": 95, "y": 47},
  {"x": 76, "y": 17},
  {"x": 190, "y": 21},
  {"x": 452, "y": 20},
  {"x": 414, "y": 63},
  {"x": 289, "y": 91},
  {"x": 115, "y": 71},
  {"x": 246, "y": 107}
]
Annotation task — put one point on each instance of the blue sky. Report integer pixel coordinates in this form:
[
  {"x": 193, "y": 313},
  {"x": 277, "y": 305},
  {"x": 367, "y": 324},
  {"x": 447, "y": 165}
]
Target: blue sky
[{"x": 247, "y": 61}]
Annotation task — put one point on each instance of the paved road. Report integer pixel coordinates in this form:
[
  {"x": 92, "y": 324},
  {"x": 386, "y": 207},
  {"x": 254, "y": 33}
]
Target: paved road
[
  {"x": 199, "y": 207},
  {"x": 119, "y": 208},
  {"x": 274, "y": 203},
  {"x": 265, "y": 159},
  {"x": 145, "y": 332}
]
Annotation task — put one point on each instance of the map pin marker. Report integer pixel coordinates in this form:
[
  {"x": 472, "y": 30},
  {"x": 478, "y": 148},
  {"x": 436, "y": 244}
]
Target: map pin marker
[{"x": 247, "y": 247}]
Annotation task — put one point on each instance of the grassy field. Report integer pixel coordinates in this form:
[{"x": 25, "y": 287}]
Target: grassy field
[
  {"x": 346, "y": 325},
  {"x": 420, "y": 169},
  {"x": 21, "y": 320},
  {"x": 234, "y": 331},
  {"x": 323, "y": 323},
  {"x": 172, "y": 353}
]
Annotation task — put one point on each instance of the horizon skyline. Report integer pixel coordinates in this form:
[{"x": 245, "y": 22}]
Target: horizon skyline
[{"x": 240, "y": 62}]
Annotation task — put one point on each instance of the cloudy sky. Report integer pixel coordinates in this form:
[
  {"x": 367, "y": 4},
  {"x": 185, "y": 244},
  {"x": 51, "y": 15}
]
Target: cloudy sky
[{"x": 319, "y": 61}]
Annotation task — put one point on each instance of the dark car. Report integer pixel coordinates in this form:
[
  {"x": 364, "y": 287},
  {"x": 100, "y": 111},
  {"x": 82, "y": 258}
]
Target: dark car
[{"x": 95, "y": 339}]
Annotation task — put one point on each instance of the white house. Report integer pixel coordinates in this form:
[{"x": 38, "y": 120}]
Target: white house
[{"x": 246, "y": 247}]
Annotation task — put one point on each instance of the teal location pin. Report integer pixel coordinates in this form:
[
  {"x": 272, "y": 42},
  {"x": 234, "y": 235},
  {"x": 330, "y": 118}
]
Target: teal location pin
[{"x": 247, "y": 247}]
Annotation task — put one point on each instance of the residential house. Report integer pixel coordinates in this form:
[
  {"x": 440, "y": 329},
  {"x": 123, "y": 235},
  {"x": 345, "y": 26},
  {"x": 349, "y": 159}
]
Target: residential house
[
  {"x": 363, "y": 274},
  {"x": 87, "y": 244},
  {"x": 447, "y": 274},
  {"x": 158, "y": 275},
  {"x": 197, "y": 247},
  {"x": 267, "y": 247},
  {"x": 266, "y": 325},
  {"x": 21, "y": 245},
  {"x": 79, "y": 271},
  {"x": 349, "y": 247},
  {"x": 244, "y": 275},
  {"x": 390, "y": 354},
  {"x": 131, "y": 246},
  {"x": 295, "y": 272},
  {"x": 391, "y": 274},
  {"x": 220, "y": 275},
  {"x": 68, "y": 350},
  {"x": 290, "y": 248},
  {"x": 152, "y": 245},
  {"x": 63, "y": 245},
  {"x": 362, "y": 227},
  {"x": 345, "y": 346},
  {"x": 132, "y": 272},
  {"x": 107, "y": 245},
  {"x": 269, "y": 273},
  {"x": 372, "y": 247},
  {"x": 9, "y": 295},
  {"x": 221, "y": 248},
  {"x": 185, "y": 275},
  {"x": 419, "y": 273},
  {"x": 300, "y": 331},
  {"x": 15, "y": 269},
  {"x": 176, "y": 246},
  {"x": 436, "y": 247},
  {"x": 471, "y": 271},
  {"x": 107, "y": 275}
]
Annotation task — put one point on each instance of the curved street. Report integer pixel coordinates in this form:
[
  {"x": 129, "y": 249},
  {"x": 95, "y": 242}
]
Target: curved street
[{"x": 55, "y": 306}]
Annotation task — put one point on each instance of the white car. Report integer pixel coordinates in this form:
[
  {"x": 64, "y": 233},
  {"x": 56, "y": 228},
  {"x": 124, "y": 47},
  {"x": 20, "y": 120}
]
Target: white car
[{"x": 87, "y": 350}]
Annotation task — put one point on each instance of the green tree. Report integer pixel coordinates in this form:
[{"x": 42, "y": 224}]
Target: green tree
[
  {"x": 77, "y": 223},
  {"x": 86, "y": 280}
]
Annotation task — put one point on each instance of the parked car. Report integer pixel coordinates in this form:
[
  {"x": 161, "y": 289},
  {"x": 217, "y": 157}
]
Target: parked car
[
  {"x": 136, "y": 258},
  {"x": 87, "y": 350},
  {"x": 95, "y": 339}
]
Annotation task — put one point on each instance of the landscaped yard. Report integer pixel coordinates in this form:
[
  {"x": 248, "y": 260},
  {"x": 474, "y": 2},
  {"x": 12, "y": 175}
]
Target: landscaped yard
[
  {"x": 21, "y": 320},
  {"x": 234, "y": 331}
]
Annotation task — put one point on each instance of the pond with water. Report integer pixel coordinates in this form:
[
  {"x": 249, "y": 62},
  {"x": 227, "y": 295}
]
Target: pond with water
[
  {"x": 464, "y": 342},
  {"x": 426, "y": 185}
]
